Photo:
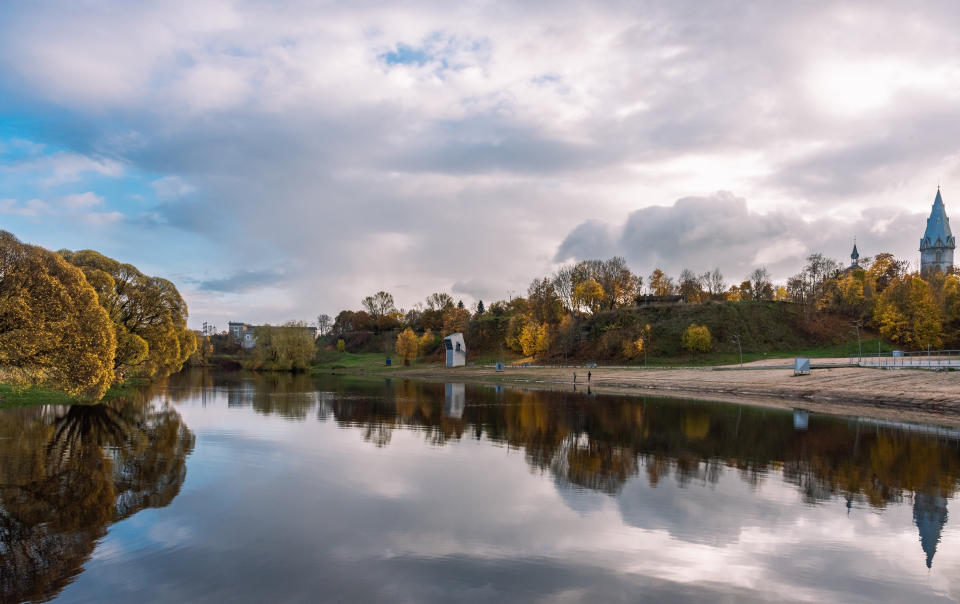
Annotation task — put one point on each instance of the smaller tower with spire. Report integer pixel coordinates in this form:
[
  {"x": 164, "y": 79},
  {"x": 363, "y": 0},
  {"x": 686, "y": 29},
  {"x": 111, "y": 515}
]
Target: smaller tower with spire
[
  {"x": 854, "y": 256},
  {"x": 938, "y": 243}
]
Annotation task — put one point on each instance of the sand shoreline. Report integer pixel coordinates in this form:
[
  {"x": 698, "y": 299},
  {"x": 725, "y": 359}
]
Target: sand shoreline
[{"x": 897, "y": 394}]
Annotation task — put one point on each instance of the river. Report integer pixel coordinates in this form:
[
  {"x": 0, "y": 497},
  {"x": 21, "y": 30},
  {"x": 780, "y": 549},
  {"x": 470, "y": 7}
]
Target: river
[{"x": 249, "y": 488}]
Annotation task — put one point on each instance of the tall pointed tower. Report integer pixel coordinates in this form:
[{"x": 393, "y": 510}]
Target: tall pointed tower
[{"x": 938, "y": 243}]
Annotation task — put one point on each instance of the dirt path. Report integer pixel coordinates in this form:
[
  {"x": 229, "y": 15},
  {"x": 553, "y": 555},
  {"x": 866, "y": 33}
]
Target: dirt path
[{"x": 909, "y": 395}]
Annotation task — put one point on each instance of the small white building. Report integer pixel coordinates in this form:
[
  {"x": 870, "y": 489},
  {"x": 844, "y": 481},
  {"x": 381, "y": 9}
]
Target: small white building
[{"x": 456, "y": 350}]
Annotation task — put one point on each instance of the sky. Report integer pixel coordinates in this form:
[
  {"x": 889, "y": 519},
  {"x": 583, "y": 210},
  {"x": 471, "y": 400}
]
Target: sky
[{"x": 277, "y": 160}]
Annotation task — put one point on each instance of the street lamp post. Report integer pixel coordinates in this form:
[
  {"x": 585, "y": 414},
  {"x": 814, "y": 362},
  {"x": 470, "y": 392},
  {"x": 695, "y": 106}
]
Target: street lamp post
[
  {"x": 740, "y": 348},
  {"x": 856, "y": 324}
]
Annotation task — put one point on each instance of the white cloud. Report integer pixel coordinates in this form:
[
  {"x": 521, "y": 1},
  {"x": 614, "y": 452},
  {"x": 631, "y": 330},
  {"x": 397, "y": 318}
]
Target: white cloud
[
  {"x": 82, "y": 201},
  {"x": 31, "y": 208},
  {"x": 505, "y": 128},
  {"x": 171, "y": 186}
]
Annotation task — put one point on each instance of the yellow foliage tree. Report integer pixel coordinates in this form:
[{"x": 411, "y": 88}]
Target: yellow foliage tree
[
  {"x": 907, "y": 314},
  {"x": 288, "y": 347},
  {"x": 148, "y": 313},
  {"x": 427, "y": 342},
  {"x": 515, "y": 329},
  {"x": 407, "y": 345},
  {"x": 456, "y": 320},
  {"x": 534, "y": 339},
  {"x": 660, "y": 284},
  {"x": 696, "y": 338},
  {"x": 53, "y": 331},
  {"x": 341, "y": 346},
  {"x": 589, "y": 294}
]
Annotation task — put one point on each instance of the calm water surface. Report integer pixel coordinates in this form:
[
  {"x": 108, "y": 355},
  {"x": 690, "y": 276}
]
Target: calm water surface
[{"x": 229, "y": 487}]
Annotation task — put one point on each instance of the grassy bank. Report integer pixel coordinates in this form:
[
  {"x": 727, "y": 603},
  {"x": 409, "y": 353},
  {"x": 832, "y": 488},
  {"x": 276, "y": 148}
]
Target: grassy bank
[
  {"x": 368, "y": 362},
  {"x": 11, "y": 397}
]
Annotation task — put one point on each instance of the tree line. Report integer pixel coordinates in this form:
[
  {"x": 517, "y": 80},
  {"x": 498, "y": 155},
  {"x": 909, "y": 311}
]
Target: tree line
[
  {"x": 561, "y": 311},
  {"x": 80, "y": 321}
]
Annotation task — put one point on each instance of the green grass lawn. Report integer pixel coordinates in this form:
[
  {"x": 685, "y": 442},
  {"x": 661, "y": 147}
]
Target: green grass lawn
[
  {"x": 733, "y": 358},
  {"x": 368, "y": 362},
  {"x": 351, "y": 362},
  {"x": 11, "y": 397}
]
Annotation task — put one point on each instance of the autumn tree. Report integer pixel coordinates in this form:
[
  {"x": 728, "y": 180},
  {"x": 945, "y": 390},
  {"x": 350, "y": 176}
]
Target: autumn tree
[
  {"x": 428, "y": 342},
  {"x": 545, "y": 304},
  {"x": 407, "y": 345},
  {"x": 713, "y": 282},
  {"x": 288, "y": 347},
  {"x": 439, "y": 301},
  {"x": 588, "y": 294},
  {"x": 907, "y": 314},
  {"x": 619, "y": 285},
  {"x": 696, "y": 338},
  {"x": 534, "y": 339},
  {"x": 379, "y": 306},
  {"x": 148, "y": 313},
  {"x": 456, "y": 320},
  {"x": 514, "y": 330},
  {"x": 885, "y": 269},
  {"x": 761, "y": 287},
  {"x": 324, "y": 323},
  {"x": 201, "y": 356},
  {"x": 563, "y": 286},
  {"x": 691, "y": 286},
  {"x": 53, "y": 330},
  {"x": 660, "y": 284}
]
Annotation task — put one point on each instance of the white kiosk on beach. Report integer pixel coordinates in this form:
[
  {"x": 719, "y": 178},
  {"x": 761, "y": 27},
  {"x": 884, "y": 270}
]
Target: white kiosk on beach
[{"x": 456, "y": 350}]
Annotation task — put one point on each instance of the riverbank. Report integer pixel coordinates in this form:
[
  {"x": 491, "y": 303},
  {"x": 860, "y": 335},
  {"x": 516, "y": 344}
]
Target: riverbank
[
  {"x": 11, "y": 397},
  {"x": 902, "y": 394}
]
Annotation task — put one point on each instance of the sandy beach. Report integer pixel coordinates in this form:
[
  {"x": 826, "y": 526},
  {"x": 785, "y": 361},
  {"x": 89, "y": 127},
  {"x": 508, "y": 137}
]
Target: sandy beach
[{"x": 832, "y": 386}]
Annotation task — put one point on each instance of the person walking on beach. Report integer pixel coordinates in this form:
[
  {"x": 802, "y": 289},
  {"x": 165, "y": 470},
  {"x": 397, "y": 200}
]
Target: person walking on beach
[
  {"x": 588, "y": 377},
  {"x": 574, "y": 377}
]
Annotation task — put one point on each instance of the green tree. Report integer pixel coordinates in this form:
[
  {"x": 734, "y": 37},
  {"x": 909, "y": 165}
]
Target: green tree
[{"x": 53, "y": 331}]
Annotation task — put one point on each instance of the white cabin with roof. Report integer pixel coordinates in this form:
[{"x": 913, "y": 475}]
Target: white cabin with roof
[{"x": 456, "y": 350}]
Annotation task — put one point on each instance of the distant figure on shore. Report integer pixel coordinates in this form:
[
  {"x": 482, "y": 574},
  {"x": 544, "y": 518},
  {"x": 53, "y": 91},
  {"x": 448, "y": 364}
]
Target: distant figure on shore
[
  {"x": 588, "y": 377},
  {"x": 574, "y": 377}
]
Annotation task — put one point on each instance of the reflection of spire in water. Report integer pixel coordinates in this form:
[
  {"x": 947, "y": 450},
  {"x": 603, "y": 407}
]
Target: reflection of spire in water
[{"x": 930, "y": 516}]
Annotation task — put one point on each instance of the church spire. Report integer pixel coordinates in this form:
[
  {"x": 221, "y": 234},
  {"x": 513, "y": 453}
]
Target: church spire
[{"x": 938, "y": 243}]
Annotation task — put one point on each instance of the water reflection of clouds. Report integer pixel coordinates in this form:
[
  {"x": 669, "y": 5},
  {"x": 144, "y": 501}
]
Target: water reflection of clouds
[
  {"x": 472, "y": 521},
  {"x": 309, "y": 510}
]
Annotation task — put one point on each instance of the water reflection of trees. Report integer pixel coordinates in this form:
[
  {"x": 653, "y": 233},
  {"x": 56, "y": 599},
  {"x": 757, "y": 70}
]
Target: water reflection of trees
[
  {"x": 600, "y": 442},
  {"x": 67, "y": 473}
]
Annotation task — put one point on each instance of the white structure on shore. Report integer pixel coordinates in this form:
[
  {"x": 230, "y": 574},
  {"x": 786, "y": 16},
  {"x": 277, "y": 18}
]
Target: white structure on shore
[{"x": 456, "y": 350}]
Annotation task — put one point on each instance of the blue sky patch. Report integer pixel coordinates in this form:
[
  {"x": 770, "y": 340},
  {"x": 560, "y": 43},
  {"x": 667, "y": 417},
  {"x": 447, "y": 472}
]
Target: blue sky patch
[{"x": 406, "y": 55}]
